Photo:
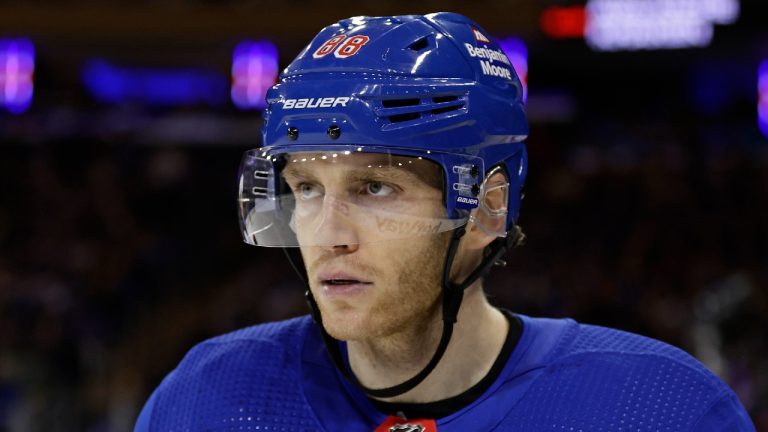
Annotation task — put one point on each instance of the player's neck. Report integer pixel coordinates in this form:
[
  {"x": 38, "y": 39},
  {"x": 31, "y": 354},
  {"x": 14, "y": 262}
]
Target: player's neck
[{"x": 476, "y": 342}]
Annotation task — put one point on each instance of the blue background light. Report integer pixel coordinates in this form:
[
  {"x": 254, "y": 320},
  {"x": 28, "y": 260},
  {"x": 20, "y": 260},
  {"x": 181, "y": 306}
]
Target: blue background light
[
  {"x": 17, "y": 68},
  {"x": 517, "y": 52},
  {"x": 254, "y": 71},
  {"x": 762, "y": 97},
  {"x": 112, "y": 84}
]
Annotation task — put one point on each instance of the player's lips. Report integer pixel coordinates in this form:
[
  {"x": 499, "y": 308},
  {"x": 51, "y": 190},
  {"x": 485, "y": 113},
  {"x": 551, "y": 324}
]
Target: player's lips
[{"x": 342, "y": 283}]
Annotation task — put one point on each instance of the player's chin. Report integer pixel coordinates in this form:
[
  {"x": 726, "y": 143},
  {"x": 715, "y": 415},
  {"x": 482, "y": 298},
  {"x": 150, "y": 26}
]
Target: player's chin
[{"x": 347, "y": 324}]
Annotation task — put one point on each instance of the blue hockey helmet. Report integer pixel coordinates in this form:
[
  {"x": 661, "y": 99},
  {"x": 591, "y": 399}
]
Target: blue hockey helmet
[{"x": 414, "y": 88}]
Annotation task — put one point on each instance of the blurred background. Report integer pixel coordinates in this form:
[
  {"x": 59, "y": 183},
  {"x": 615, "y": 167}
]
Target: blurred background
[{"x": 122, "y": 124}]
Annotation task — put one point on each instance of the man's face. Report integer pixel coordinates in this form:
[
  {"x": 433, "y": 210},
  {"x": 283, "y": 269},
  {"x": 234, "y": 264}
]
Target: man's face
[{"x": 366, "y": 227}]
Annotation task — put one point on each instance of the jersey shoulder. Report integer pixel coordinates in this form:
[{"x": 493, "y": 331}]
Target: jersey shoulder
[
  {"x": 589, "y": 340},
  {"x": 596, "y": 377},
  {"x": 269, "y": 344},
  {"x": 228, "y": 381}
]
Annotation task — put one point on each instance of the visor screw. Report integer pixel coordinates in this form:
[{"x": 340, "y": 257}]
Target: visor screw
[
  {"x": 474, "y": 171},
  {"x": 293, "y": 133},
  {"x": 334, "y": 131},
  {"x": 475, "y": 190}
]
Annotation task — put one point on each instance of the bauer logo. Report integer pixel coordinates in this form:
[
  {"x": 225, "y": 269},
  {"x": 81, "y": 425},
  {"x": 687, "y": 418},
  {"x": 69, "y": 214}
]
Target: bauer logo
[
  {"x": 467, "y": 202},
  {"x": 308, "y": 103}
]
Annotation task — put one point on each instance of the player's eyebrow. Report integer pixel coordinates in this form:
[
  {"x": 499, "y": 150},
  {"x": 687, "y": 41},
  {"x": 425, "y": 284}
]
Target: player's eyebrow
[
  {"x": 411, "y": 170},
  {"x": 381, "y": 173},
  {"x": 384, "y": 169},
  {"x": 297, "y": 172}
]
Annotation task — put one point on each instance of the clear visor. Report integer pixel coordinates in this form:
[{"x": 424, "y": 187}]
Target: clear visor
[{"x": 341, "y": 197}]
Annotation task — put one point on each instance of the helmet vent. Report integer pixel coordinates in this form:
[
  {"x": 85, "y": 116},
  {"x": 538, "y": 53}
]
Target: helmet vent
[
  {"x": 397, "y": 103},
  {"x": 419, "y": 44},
  {"x": 441, "y": 99},
  {"x": 404, "y": 117},
  {"x": 430, "y": 107},
  {"x": 445, "y": 109}
]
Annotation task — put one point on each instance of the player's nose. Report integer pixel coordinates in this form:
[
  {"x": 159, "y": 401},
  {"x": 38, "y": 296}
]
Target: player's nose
[{"x": 336, "y": 228}]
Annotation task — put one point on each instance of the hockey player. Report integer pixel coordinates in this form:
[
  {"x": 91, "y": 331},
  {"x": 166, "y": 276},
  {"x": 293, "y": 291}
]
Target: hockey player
[{"x": 393, "y": 160}]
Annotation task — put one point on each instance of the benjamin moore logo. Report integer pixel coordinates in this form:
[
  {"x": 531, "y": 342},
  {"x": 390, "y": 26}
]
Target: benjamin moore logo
[{"x": 490, "y": 56}]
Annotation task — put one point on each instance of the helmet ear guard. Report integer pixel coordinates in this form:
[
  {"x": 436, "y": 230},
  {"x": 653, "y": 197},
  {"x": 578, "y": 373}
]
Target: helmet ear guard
[{"x": 490, "y": 216}]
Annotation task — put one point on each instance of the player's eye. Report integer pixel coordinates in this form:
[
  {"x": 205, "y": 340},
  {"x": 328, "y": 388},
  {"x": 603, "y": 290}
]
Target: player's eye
[
  {"x": 377, "y": 188},
  {"x": 308, "y": 191}
]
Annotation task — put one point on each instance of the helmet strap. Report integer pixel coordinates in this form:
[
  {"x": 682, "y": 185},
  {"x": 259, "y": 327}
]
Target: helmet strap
[{"x": 453, "y": 293}]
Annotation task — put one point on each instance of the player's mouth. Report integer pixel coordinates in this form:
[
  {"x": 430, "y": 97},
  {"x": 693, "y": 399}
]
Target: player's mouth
[{"x": 343, "y": 284}]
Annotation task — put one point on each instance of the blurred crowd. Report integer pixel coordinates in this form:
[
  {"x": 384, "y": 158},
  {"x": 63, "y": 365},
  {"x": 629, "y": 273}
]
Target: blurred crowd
[{"x": 116, "y": 258}]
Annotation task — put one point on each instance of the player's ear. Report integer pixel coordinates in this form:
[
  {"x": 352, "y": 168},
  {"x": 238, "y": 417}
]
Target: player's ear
[{"x": 488, "y": 221}]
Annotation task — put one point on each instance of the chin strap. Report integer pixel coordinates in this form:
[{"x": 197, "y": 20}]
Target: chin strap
[{"x": 453, "y": 293}]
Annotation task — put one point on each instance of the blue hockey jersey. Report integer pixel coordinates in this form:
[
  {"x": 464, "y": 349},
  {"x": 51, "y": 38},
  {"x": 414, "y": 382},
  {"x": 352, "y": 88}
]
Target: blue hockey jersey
[{"x": 561, "y": 376}]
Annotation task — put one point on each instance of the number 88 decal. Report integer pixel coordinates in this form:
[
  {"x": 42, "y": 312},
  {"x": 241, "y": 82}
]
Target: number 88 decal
[{"x": 339, "y": 49}]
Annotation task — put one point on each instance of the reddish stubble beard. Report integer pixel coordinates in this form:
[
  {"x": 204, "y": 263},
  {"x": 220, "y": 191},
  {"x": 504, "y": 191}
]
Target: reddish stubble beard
[{"x": 405, "y": 294}]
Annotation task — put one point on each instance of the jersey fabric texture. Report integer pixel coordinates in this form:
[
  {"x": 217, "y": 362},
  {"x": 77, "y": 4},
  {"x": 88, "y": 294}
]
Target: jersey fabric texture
[{"x": 562, "y": 376}]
